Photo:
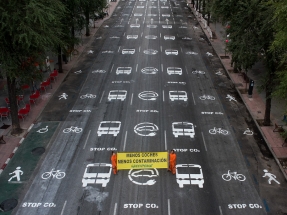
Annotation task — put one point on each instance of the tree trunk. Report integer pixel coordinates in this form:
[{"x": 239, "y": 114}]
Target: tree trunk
[
  {"x": 267, "y": 120},
  {"x": 60, "y": 60},
  {"x": 87, "y": 15},
  {"x": 11, "y": 84},
  {"x": 208, "y": 18}
]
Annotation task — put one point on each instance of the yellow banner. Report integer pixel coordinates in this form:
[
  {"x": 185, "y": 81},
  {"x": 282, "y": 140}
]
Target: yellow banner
[{"x": 142, "y": 160}]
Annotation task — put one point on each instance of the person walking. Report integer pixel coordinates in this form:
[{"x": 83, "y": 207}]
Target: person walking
[
  {"x": 172, "y": 161},
  {"x": 114, "y": 162}
]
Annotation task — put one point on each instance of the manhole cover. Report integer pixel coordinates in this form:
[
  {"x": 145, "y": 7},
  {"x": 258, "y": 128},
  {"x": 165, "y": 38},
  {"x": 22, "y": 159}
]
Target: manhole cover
[
  {"x": 8, "y": 204},
  {"x": 38, "y": 151}
]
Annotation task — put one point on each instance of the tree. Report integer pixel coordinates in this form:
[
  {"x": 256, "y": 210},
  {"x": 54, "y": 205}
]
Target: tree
[
  {"x": 251, "y": 35},
  {"x": 280, "y": 46},
  {"x": 28, "y": 29}
]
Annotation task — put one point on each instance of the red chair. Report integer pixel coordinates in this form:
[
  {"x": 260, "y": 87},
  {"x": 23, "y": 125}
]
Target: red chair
[
  {"x": 21, "y": 117},
  {"x": 33, "y": 98},
  {"x": 4, "y": 113},
  {"x": 54, "y": 75},
  {"x": 20, "y": 98},
  {"x": 7, "y": 102},
  {"x": 45, "y": 84},
  {"x": 25, "y": 87}
]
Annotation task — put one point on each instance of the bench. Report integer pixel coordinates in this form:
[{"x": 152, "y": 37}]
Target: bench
[
  {"x": 2, "y": 141},
  {"x": 278, "y": 128}
]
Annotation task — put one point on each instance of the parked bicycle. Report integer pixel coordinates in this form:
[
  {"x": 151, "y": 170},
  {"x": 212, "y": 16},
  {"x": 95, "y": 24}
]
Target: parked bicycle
[
  {"x": 198, "y": 72},
  {"x": 73, "y": 129},
  {"x": 218, "y": 130},
  {"x": 228, "y": 176},
  {"x": 208, "y": 97},
  {"x": 89, "y": 96},
  {"x": 54, "y": 173}
]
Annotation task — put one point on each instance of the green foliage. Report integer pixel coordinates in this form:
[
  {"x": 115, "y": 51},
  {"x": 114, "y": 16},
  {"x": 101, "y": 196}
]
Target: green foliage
[{"x": 28, "y": 29}]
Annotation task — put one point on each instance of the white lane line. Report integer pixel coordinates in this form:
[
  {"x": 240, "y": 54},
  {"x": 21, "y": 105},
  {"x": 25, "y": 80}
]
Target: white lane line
[
  {"x": 119, "y": 49},
  {"x": 220, "y": 210},
  {"x": 165, "y": 142},
  {"x": 132, "y": 99},
  {"x": 87, "y": 139},
  {"x": 115, "y": 208},
  {"x": 161, "y": 68},
  {"x": 160, "y": 35},
  {"x": 193, "y": 99},
  {"x": 163, "y": 95},
  {"x": 203, "y": 141},
  {"x": 139, "y": 49},
  {"x": 168, "y": 206},
  {"x": 186, "y": 70},
  {"x": 125, "y": 140},
  {"x": 137, "y": 68},
  {"x": 181, "y": 49},
  {"x": 102, "y": 96},
  {"x": 160, "y": 48},
  {"x": 62, "y": 212},
  {"x": 124, "y": 34},
  {"x": 112, "y": 68},
  {"x": 142, "y": 34}
]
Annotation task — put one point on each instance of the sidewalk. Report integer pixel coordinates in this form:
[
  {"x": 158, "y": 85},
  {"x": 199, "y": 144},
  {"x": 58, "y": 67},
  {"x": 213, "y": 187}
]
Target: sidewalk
[
  {"x": 255, "y": 104},
  {"x": 8, "y": 149}
]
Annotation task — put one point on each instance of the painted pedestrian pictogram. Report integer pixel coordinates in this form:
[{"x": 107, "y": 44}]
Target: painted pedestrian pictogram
[
  {"x": 54, "y": 174},
  {"x": 271, "y": 176},
  {"x": 73, "y": 130},
  {"x": 63, "y": 96},
  {"x": 78, "y": 72},
  {"x": 90, "y": 52},
  {"x": 43, "y": 130},
  {"x": 218, "y": 131},
  {"x": 229, "y": 175},
  {"x": 231, "y": 98},
  {"x": 143, "y": 176},
  {"x": 209, "y": 54},
  {"x": 16, "y": 173}
]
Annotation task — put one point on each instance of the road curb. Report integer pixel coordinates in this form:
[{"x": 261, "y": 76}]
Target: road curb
[
  {"x": 15, "y": 149},
  {"x": 238, "y": 92}
]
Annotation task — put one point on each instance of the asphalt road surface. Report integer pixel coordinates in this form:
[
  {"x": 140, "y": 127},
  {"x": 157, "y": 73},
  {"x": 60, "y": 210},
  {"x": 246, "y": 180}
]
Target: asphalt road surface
[{"x": 146, "y": 84}]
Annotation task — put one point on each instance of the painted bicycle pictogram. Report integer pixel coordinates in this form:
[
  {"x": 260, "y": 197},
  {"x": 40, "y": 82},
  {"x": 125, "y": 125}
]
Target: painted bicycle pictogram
[
  {"x": 73, "y": 129},
  {"x": 218, "y": 130},
  {"x": 89, "y": 96},
  {"x": 228, "y": 176},
  {"x": 248, "y": 132},
  {"x": 208, "y": 97},
  {"x": 198, "y": 72},
  {"x": 53, "y": 173}
]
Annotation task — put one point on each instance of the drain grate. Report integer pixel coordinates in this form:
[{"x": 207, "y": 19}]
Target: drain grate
[
  {"x": 8, "y": 205},
  {"x": 38, "y": 151}
]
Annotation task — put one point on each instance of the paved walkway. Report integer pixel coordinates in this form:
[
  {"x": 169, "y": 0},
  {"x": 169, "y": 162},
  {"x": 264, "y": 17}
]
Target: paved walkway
[
  {"x": 12, "y": 142},
  {"x": 255, "y": 104}
]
